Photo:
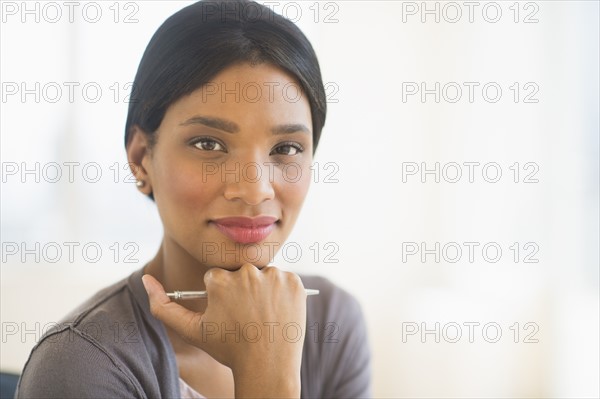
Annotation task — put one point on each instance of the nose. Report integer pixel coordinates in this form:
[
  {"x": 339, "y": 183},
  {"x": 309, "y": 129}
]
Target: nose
[{"x": 250, "y": 182}]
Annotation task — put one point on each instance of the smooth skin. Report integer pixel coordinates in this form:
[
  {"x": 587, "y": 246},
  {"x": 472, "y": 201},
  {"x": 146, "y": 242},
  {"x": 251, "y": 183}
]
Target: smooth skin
[{"x": 254, "y": 120}]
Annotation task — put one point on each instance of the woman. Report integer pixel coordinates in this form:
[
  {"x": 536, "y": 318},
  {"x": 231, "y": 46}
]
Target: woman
[{"x": 227, "y": 111}]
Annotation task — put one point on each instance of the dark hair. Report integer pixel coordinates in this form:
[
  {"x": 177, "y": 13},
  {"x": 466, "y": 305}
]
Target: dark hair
[{"x": 199, "y": 41}]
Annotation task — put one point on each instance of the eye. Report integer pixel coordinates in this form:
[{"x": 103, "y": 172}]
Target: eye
[
  {"x": 288, "y": 148},
  {"x": 208, "y": 144}
]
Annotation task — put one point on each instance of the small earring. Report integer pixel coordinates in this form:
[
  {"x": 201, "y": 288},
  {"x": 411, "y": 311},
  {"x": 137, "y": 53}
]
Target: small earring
[{"x": 140, "y": 183}]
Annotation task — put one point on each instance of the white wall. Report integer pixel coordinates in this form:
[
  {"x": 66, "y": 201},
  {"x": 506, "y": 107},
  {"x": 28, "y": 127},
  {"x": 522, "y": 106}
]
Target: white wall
[{"x": 371, "y": 135}]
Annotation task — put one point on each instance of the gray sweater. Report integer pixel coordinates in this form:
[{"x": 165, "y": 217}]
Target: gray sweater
[{"x": 112, "y": 347}]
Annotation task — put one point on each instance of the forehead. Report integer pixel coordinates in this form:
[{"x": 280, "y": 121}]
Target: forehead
[{"x": 248, "y": 92}]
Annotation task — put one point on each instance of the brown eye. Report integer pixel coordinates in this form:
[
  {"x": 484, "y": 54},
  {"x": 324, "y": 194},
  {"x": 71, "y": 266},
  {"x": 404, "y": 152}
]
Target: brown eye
[
  {"x": 206, "y": 144},
  {"x": 289, "y": 149}
]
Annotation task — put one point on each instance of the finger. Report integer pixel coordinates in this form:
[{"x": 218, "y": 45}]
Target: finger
[{"x": 185, "y": 322}]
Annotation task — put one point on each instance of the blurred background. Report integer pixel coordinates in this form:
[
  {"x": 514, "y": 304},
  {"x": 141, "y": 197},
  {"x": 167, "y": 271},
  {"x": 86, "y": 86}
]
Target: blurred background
[{"x": 455, "y": 188}]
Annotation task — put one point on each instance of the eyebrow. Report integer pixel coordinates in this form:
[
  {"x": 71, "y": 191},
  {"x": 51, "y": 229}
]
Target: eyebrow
[
  {"x": 290, "y": 128},
  {"x": 232, "y": 127},
  {"x": 216, "y": 123}
]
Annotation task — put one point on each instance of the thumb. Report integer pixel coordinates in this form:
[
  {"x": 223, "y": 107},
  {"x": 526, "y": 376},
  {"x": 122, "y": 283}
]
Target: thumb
[{"x": 186, "y": 323}]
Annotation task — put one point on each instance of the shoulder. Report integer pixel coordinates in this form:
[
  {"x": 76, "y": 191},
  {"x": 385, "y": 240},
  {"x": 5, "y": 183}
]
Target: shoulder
[
  {"x": 97, "y": 321},
  {"x": 70, "y": 363},
  {"x": 336, "y": 356},
  {"x": 109, "y": 346},
  {"x": 333, "y": 302}
]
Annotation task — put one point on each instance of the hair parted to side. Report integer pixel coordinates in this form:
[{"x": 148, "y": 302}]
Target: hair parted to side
[{"x": 199, "y": 41}]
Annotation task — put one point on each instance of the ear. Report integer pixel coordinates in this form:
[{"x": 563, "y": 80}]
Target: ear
[{"x": 138, "y": 156}]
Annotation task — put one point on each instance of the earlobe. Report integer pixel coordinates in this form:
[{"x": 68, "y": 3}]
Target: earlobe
[{"x": 138, "y": 153}]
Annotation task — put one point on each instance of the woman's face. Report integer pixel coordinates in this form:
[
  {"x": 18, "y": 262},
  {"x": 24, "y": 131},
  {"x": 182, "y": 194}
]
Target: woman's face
[{"x": 240, "y": 146}]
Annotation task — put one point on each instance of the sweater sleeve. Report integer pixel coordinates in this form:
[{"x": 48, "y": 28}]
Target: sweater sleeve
[
  {"x": 71, "y": 364},
  {"x": 352, "y": 375},
  {"x": 336, "y": 354}
]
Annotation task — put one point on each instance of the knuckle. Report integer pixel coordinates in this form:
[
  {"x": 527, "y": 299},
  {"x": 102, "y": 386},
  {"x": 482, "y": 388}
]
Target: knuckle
[
  {"x": 294, "y": 280},
  {"x": 248, "y": 267},
  {"x": 268, "y": 272},
  {"x": 271, "y": 270},
  {"x": 213, "y": 275}
]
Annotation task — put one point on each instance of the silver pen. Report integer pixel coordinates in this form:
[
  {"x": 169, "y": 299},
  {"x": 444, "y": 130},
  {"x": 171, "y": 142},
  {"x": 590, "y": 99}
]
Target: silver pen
[{"x": 202, "y": 294}]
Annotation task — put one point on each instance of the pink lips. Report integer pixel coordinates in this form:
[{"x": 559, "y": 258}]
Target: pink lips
[{"x": 245, "y": 230}]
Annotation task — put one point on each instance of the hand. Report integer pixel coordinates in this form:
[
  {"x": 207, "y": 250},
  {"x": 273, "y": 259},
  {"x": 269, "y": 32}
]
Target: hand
[{"x": 254, "y": 323}]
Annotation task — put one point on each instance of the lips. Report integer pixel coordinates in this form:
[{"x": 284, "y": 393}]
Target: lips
[{"x": 246, "y": 230}]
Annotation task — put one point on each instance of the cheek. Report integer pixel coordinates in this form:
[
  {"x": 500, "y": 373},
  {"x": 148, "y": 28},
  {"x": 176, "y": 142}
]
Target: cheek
[
  {"x": 294, "y": 186},
  {"x": 184, "y": 187}
]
